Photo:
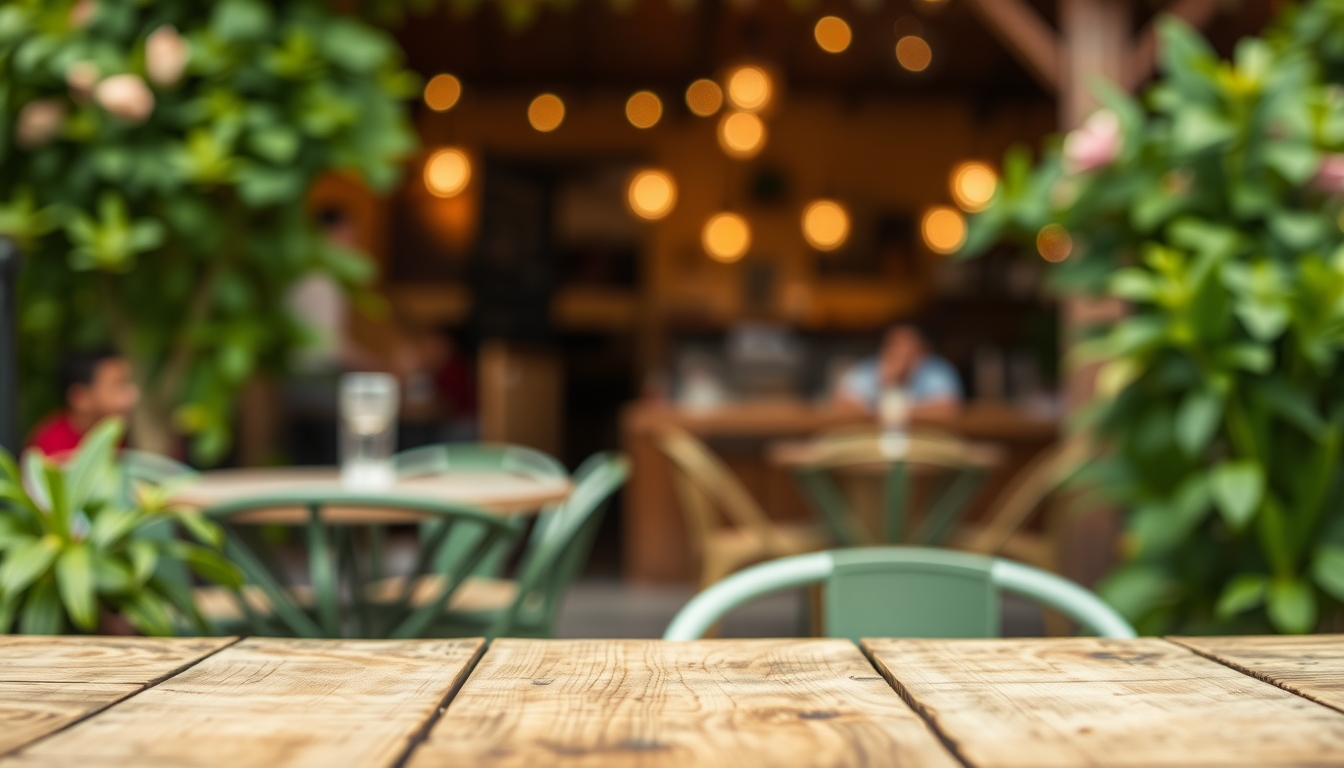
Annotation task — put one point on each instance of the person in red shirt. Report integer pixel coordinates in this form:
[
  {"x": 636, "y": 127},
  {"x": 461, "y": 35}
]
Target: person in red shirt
[{"x": 96, "y": 384}]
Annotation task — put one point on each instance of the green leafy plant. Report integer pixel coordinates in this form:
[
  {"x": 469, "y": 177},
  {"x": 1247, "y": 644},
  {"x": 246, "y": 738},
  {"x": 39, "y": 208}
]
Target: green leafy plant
[
  {"x": 80, "y": 540},
  {"x": 1212, "y": 207},
  {"x": 154, "y": 162}
]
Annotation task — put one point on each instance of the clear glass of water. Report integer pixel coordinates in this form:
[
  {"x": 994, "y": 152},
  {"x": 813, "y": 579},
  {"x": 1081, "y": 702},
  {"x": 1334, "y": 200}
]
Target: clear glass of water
[{"x": 369, "y": 405}]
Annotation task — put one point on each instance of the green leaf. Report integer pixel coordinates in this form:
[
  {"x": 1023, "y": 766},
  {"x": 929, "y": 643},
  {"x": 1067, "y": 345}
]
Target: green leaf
[
  {"x": 35, "y": 479},
  {"x": 1299, "y": 230},
  {"x": 1296, "y": 162},
  {"x": 1197, "y": 419},
  {"x": 1327, "y": 568},
  {"x": 1198, "y": 129},
  {"x": 207, "y": 564},
  {"x": 201, "y": 528},
  {"x": 111, "y": 576},
  {"x": 1136, "y": 589},
  {"x": 24, "y": 566},
  {"x": 354, "y": 46},
  {"x": 1244, "y": 592},
  {"x": 110, "y": 525},
  {"x": 241, "y": 20},
  {"x": 74, "y": 578},
  {"x": 148, "y": 612},
  {"x": 93, "y": 461},
  {"x": 144, "y": 558},
  {"x": 1238, "y": 487},
  {"x": 1292, "y": 606},
  {"x": 42, "y": 613}
]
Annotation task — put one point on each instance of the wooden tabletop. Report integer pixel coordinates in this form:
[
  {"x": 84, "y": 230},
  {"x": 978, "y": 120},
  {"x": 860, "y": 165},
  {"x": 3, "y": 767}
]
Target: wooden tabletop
[
  {"x": 943, "y": 703},
  {"x": 501, "y": 492}
]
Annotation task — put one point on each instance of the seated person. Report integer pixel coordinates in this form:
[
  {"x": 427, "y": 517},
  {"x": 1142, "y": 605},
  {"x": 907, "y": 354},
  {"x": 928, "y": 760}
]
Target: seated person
[
  {"x": 95, "y": 384},
  {"x": 930, "y": 383}
]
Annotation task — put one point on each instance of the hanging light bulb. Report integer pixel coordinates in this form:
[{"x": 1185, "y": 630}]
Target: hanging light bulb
[
  {"x": 704, "y": 97},
  {"x": 447, "y": 172},
  {"x": 1054, "y": 243},
  {"x": 913, "y": 53},
  {"x": 651, "y": 194},
  {"x": 943, "y": 229},
  {"x": 442, "y": 92},
  {"x": 726, "y": 237},
  {"x": 644, "y": 109},
  {"x": 749, "y": 88},
  {"x": 973, "y": 185},
  {"x": 546, "y": 112},
  {"x": 825, "y": 225},
  {"x": 832, "y": 34},
  {"x": 741, "y": 135}
]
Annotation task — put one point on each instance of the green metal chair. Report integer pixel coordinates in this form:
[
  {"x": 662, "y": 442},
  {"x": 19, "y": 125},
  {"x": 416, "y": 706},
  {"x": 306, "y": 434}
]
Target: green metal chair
[
  {"x": 479, "y": 457},
  {"x": 901, "y": 592},
  {"x": 555, "y": 555},
  {"x": 343, "y": 559}
]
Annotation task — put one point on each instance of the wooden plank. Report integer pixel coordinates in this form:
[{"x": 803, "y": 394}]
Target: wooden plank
[
  {"x": 268, "y": 702},
  {"x": 1086, "y": 701},
  {"x": 652, "y": 703},
  {"x": 1308, "y": 665},
  {"x": 1026, "y": 36},
  {"x": 138, "y": 660},
  {"x": 29, "y": 711}
]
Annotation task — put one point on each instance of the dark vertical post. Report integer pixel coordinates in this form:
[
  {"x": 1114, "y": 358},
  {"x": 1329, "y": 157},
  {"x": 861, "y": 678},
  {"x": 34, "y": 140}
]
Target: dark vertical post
[{"x": 9, "y": 350}]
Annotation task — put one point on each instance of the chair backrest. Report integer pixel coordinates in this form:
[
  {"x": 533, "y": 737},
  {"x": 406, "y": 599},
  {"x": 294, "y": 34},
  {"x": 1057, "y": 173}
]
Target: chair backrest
[
  {"x": 901, "y": 592},
  {"x": 562, "y": 539},
  {"x": 343, "y": 559},
  {"x": 1026, "y": 491},
  {"x": 502, "y": 457},
  {"x": 704, "y": 484}
]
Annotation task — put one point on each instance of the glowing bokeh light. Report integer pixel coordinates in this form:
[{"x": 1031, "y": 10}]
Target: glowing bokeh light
[
  {"x": 943, "y": 229},
  {"x": 913, "y": 53},
  {"x": 447, "y": 172},
  {"x": 973, "y": 185},
  {"x": 442, "y": 92},
  {"x": 651, "y": 194},
  {"x": 1054, "y": 243},
  {"x": 704, "y": 97},
  {"x": 644, "y": 109},
  {"x": 825, "y": 225},
  {"x": 726, "y": 237},
  {"x": 832, "y": 34},
  {"x": 749, "y": 88},
  {"x": 546, "y": 112},
  {"x": 741, "y": 135}
]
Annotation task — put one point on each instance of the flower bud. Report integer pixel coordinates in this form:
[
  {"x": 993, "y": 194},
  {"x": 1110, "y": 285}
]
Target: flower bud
[
  {"x": 39, "y": 122},
  {"x": 125, "y": 97},
  {"x": 1095, "y": 144},
  {"x": 166, "y": 55}
]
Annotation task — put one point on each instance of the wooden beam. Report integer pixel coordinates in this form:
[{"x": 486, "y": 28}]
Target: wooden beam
[
  {"x": 1028, "y": 38},
  {"x": 1196, "y": 13}
]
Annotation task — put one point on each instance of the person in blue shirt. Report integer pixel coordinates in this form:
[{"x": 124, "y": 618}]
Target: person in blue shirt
[{"x": 931, "y": 384}]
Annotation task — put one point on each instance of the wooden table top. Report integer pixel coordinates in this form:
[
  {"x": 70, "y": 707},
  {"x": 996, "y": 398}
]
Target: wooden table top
[
  {"x": 500, "y": 492},
  {"x": 947, "y": 703}
]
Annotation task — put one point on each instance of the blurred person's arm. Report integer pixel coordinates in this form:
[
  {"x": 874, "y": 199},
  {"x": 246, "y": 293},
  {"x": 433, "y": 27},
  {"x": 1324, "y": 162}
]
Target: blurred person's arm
[
  {"x": 856, "y": 391},
  {"x": 937, "y": 390}
]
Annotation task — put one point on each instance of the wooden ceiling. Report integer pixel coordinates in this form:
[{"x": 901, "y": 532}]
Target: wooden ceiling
[{"x": 655, "y": 45}]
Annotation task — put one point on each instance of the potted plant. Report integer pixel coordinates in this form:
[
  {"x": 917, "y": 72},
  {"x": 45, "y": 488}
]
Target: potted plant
[
  {"x": 80, "y": 542},
  {"x": 1212, "y": 207}
]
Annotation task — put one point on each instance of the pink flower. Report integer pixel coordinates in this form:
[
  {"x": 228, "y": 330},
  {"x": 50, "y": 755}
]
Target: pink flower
[
  {"x": 166, "y": 55},
  {"x": 81, "y": 12},
  {"x": 39, "y": 122},
  {"x": 125, "y": 97},
  {"x": 1330, "y": 175},
  {"x": 1095, "y": 144},
  {"x": 81, "y": 77}
]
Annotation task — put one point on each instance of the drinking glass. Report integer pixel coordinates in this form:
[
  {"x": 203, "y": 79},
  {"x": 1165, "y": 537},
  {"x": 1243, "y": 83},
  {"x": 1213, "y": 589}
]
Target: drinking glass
[{"x": 368, "y": 429}]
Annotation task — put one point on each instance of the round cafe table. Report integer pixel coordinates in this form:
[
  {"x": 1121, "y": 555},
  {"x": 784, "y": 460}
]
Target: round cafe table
[{"x": 503, "y": 493}]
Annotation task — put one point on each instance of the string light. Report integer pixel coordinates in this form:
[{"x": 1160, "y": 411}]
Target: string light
[
  {"x": 943, "y": 229},
  {"x": 825, "y": 225},
  {"x": 1054, "y": 243},
  {"x": 726, "y": 237},
  {"x": 749, "y": 88},
  {"x": 447, "y": 172},
  {"x": 832, "y": 34},
  {"x": 546, "y": 112},
  {"x": 442, "y": 92},
  {"x": 741, "y": 135},
  {"x": 973, "y": 185},
  {"x": 651, "y": 194},
  {"x": 704, "y": 97},
  {"x": 913, "y": 53},
  {"x": 644, "y": 109}
]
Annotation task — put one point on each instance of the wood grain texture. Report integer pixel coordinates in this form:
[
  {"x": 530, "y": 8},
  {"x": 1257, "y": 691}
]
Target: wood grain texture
[
  {"x": 269, "y": 702},
  {"x": 1083, "y": 701},
  {"x": 652, "y": 703},
  {"x": 29, "y": 711},
  {"x": 139, "y": 660},
  {"x": 1308, "y": 665}
]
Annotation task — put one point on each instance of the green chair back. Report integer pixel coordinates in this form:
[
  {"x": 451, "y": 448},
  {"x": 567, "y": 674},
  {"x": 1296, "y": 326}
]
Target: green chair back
[
  {"x": 480, "y": 457},
  {"x": 902, "y": 592},
  {"x": 559, "y": 547},
  {"x": 344, "y": 561}
]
